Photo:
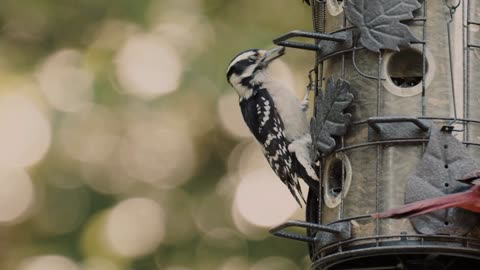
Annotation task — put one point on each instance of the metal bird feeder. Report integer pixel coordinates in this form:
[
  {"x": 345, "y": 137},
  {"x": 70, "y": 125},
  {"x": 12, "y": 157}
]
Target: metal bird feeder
[{"x": 397, "y": 120}]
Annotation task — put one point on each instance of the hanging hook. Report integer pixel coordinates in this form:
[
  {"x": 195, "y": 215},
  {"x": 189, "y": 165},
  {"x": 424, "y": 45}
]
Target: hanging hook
[
  {"x": 452, "y": 10},
  {"x": 453, "y": 7}
]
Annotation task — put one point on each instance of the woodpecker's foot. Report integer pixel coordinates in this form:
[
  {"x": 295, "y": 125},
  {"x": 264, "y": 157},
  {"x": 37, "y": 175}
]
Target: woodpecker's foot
[
  {"x": 306, "y": 100},
  {"x": 305, "y": 105}
]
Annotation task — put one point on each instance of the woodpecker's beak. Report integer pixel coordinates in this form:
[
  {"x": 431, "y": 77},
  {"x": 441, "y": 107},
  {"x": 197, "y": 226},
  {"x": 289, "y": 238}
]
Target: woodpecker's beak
[{"x": 272, "y": 54}]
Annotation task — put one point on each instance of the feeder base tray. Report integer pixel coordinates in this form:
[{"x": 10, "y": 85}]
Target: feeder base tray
[{"x": 402, "y": 258}]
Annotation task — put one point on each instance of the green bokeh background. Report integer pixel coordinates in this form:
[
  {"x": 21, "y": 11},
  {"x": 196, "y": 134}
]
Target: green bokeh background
[{"x": 68, "y": 212}]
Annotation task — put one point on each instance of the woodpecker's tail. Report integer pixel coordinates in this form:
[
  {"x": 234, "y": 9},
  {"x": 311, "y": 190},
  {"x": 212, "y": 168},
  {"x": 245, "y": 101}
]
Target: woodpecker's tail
[
  {"x": 297, "y": 193},
  {"x": 429, "y": 205},
  {"x": 302, "y": 163},
  {"x": 312, "y": 216}
]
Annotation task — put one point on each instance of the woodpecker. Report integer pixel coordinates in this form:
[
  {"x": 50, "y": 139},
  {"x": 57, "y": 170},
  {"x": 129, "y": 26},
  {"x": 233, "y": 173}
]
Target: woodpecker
[
  {"x": 276, "y": 118},
  {"x": 469, "y": 200}
]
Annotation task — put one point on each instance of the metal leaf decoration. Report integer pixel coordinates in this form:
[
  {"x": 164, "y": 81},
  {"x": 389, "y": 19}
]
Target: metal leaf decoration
[
  {"x": 379, "y": 22},
  {"x": 329, "y": 119},
  {"x": 445, "y": 160}
]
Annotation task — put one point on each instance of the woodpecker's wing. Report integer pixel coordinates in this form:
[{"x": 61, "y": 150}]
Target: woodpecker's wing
[
  {"x": 301, "y": 149},
  {"x": 264, "y": 122}
]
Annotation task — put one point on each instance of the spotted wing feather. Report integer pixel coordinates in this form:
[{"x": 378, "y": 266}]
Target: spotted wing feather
[{"x": 264, "y": 122}]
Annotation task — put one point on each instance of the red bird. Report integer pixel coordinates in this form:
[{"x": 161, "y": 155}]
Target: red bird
[{"x": 469, "y": 200}]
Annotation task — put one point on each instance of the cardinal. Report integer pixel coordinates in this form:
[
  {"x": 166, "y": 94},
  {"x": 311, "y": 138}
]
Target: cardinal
[{"x": 469, "y": 200}]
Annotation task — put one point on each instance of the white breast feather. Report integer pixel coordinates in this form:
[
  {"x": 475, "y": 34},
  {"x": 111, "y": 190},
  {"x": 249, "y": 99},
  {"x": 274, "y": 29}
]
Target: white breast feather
[{"x": 289, "y": 109}]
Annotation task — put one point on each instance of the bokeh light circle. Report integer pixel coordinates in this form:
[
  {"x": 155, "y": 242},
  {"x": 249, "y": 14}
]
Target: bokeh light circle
[
  {"x": 275, "y": 263},
  {"x": 148, "y": 67},
  {"x": 135, "y": 227},
  {"x": 152, "y": 153},
  {"x": 89, "y": 136},
  {"x": 53, "y": 211},
  {"x": 178, "y": 268},
  {"x": 99, "y": 263},
  {"x": 16, "y": 194},
  {"x": 25, "y": 130},
  {"x": 263, "y": 200},
  {"x": 48, "y": 262},
  {"x": 283, "y": 74},
  {"x": 251, "y": 159},
  {"x": 65, "y": 81},
  {"x": 231, "y": 116},
  {"x": 235, "y": 263}
]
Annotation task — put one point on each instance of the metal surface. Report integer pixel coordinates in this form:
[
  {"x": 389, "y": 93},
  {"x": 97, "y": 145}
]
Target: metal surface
[
  {"x": 324, "y": 234},
  {"x": 368, "y": 250},
  {"x": 397, "y": 127},
  {"x": 323, "y": 238},
  {"x": 386, "y": 144},
  {"x": 330, "y": 119},
  {"x": 284, "y": 39},
  {"x": 444, "y": 161},
  {"x": 451, "y": 11},
  {"x": 329, "y": 48},
  {"x": 381, "y": 168},
  {"x": 374, "y": 122},
  {"x": 380, "y": 24}
]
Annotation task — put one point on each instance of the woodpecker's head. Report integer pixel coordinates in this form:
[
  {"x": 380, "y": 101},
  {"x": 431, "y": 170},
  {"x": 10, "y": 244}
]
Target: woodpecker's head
[{"x": 249, "y": 68}]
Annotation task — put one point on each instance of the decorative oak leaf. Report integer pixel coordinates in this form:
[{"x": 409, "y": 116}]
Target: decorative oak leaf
[
  {"x": 379, "y": 22},
  {"x": 329, "y": 119},
  {"x": 432, "y": 178}
]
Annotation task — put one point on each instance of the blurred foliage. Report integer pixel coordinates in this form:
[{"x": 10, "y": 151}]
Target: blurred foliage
[{"x": 114, "y": 138}]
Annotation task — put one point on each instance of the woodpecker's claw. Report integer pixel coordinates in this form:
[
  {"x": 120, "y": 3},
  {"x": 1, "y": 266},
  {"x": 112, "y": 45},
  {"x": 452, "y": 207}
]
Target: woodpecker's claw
[{"x": 306, "y": 100}]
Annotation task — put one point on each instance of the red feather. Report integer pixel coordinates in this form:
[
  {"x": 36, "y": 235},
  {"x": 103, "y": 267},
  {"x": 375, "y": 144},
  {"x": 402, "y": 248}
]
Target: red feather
[{"x": 469, "y": 200}]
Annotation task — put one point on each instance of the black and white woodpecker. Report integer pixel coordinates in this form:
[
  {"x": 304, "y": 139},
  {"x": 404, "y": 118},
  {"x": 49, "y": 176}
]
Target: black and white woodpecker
[{"x": 276, "y": 118}]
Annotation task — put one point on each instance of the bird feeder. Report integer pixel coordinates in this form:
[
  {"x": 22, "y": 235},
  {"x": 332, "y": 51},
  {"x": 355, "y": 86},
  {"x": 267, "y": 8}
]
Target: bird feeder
[{"x": 396, "y": 120}]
